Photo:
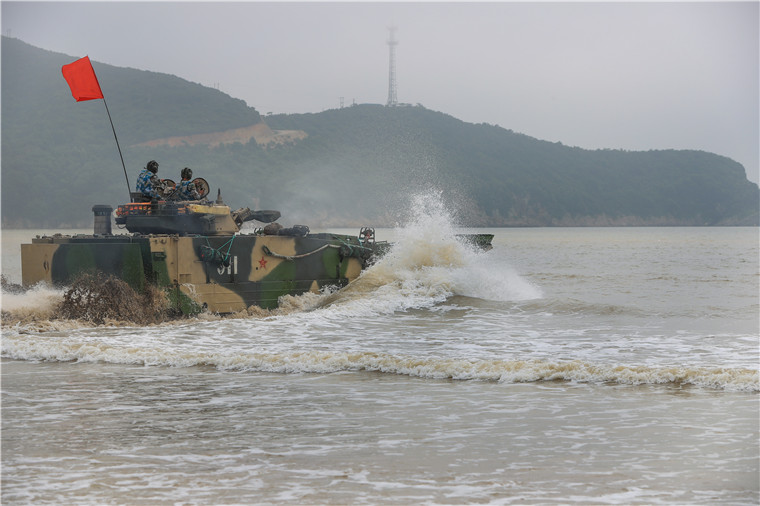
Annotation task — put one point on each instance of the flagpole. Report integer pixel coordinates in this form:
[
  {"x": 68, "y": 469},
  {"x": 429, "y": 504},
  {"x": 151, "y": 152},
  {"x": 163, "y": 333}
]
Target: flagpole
[
  {"x": 85, "y": 86},
  {"x": 126, "y": 178}
]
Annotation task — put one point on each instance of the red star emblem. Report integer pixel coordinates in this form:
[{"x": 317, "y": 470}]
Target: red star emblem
[{"x": 263, "y": 263}]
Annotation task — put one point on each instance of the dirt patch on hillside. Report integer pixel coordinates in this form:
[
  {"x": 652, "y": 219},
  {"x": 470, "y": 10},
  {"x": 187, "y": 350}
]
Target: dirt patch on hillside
[{"x": 261, "y": 132}]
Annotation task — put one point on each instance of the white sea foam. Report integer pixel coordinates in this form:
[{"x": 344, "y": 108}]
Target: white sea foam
[
  {"x": 427, "y": 264},
  {"x": 31, "y": 347},
  {"x": 41, "y": 299}
]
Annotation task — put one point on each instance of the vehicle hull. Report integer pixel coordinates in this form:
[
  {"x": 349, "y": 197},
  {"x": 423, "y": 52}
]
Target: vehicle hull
[{"x": 222, "y": 274}]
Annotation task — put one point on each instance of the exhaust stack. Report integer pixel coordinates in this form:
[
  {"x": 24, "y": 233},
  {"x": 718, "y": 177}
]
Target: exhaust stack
[{"x": 102, "y": 225}]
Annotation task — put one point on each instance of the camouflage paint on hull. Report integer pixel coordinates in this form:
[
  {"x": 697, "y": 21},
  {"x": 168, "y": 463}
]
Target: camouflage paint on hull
[{"x": 223, "y": 274}]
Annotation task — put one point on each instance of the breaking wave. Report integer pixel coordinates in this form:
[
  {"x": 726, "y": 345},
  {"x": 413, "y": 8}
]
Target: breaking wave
[
  {"x": 28, "y": 347},
  {"x": 428, "y": 264},
  {"x": 90, "y": 299},
  {"x": 38, "y": 304}
]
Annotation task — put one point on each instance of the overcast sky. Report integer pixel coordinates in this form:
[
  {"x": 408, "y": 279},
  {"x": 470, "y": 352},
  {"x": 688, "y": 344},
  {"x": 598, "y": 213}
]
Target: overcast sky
[{"x": 634, "y": 76}]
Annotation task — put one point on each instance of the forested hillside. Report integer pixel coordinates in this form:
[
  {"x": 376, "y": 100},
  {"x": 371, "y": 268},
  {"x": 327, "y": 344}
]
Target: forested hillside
[
  {"x": 357, "y": 165},
  {"x": 505, "y": 178}
]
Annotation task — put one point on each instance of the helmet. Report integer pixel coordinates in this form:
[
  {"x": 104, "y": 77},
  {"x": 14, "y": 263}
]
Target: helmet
[
  {"x": 153, "y": 166},
  {"x": 186, "y": 173}
]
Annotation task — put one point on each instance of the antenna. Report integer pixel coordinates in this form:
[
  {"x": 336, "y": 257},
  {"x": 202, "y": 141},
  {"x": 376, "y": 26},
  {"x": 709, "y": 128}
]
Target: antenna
[{"x": 392, "y": 43}]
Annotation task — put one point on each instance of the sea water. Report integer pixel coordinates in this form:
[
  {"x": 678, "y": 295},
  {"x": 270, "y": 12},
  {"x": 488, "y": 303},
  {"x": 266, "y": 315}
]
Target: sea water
[{"x": 570, "y": 366}]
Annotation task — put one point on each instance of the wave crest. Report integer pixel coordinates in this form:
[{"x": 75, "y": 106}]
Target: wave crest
[{"x": 28, "y": 347}]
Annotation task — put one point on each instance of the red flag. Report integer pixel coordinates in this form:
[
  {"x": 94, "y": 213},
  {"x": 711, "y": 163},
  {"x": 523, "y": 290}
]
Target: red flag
[{"x": 82, "y": 80}]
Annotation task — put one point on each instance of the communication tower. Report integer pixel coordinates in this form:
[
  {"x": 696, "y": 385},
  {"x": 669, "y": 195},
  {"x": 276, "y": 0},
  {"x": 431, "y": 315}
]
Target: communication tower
[{"x": 392, "y": 42}]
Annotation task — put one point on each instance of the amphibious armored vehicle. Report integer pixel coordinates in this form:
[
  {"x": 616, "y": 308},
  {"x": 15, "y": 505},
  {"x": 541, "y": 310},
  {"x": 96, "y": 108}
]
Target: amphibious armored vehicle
[{"x": 197, "y": 253}]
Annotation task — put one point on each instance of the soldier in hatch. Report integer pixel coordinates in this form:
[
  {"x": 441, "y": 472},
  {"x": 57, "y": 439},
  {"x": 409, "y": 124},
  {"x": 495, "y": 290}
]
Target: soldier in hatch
[
  {"x": 148, "y": 183},
  {"x": 186, "y": 188}
]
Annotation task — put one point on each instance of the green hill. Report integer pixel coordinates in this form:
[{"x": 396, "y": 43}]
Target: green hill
[
  {"x": 356, "y": 166},
  {"x": 504, "y": 178}
]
